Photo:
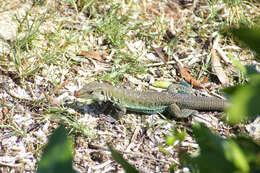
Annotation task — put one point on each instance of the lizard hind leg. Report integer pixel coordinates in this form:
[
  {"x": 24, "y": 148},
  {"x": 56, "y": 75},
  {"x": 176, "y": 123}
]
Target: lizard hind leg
[{"x": 175, "y": 111}]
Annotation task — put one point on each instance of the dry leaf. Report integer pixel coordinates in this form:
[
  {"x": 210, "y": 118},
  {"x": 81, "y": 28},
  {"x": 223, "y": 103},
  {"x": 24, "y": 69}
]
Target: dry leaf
[
  {"x": 217, "y": 68},
  {"x": 204, "y": 80},
  {"x": 188, "y": 78},
  {"x": 93, "y": 55}
]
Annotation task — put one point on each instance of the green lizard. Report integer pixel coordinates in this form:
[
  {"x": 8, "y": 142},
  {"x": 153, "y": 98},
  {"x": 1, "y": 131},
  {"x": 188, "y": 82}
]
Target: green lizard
[{"x": 149, "y": 102}]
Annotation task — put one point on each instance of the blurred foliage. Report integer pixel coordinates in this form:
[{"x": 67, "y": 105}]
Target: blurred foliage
[
  {"x": 57, "y": 156},
  {"x": 245, "y": 98},
  {"x": 119, "y": 159},
  {"x": 250, "y": 37},
  {"x": 216, "y": 154}
]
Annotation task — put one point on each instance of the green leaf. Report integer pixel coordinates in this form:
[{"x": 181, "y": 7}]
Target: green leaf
[
  {"x": 251, "y": 37},
  {"x": 162, "y": 84},
  {"x": 233, "y": 89},
  {"x": 57, "y": 156},
  {"x": 182, "y": 135},
  {"x": 251, "y": 151},
  {"x": 245, "y": 101},
  {"x": 216, "y": 154},
  {"x": 119, "y": 159},
  {"x": 234, "y": 154},
  {"x": 238, "y": 155},
  {"x": 175, "y": 135},
  {"x": 170, "y": 140}
]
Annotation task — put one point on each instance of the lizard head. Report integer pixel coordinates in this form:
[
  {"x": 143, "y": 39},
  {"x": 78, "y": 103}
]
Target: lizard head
[{"x": 91, "y": 92}]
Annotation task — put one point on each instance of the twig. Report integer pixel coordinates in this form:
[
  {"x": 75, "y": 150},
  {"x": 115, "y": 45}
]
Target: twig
[
  {"x": 169, "y": 62},
  {"x": 61, "y": 85}
]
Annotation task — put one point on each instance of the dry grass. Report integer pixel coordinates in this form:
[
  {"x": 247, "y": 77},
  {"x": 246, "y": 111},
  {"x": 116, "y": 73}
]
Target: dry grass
[{"x": 45, "y": 43}]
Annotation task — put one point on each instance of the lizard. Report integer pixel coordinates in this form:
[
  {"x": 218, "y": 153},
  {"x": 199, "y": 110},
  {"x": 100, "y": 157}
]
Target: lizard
[{"x": 149, "y": 102}]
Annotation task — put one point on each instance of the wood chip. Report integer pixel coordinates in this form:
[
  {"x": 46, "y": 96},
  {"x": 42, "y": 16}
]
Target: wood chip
[{"x": 216, "y": 65}]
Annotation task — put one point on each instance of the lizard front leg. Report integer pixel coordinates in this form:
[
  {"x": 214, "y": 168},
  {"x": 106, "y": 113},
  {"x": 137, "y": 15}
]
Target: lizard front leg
[
  {"x": 119, "y": 111},
  {"x": 175, "y": 110},
  {"x": 179, "y": 89}
]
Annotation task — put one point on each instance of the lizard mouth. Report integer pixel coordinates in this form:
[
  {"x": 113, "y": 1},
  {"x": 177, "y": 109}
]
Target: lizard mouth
[{"x": 80, "y": 99}]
